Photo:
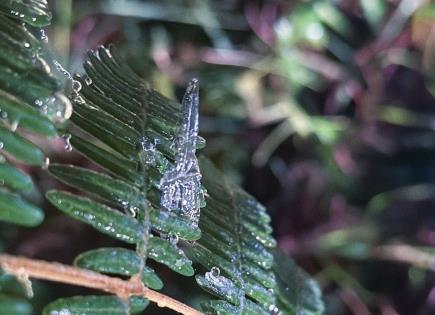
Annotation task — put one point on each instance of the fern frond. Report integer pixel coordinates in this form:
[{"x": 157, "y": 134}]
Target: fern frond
[
  {"x": 25, "y": 84},
  {"x": 235, "y": 246},
  {"x": 25, "y": 79},
  {"x": 95, "y": 305},
  {"x": 296, "y": 292},
  {"x": 32, "y": 12},
  {"x": 132, "y": 128}
]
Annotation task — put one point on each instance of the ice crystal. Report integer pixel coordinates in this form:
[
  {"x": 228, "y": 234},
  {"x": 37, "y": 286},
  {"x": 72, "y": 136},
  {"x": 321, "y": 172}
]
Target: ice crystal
[{"x": 181, "y": 185}]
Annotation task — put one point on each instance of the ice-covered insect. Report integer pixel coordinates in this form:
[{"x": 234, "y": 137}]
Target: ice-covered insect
[{"x": 181, "y": 185}]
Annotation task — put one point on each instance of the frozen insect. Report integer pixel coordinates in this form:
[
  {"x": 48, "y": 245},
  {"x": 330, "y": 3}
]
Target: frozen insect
[{"x": 181, "y": 185}]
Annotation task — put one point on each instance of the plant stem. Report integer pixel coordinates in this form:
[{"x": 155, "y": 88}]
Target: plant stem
[{"x": 57, "y": 272}]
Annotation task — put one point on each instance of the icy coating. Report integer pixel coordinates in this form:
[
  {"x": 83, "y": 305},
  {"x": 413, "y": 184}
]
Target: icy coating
[{"x": 181, "y": 185}]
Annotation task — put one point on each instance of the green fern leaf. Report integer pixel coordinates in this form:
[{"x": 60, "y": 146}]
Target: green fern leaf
[
  {"x": 118, "y": 261},
  {"x": 25, "y": 84},
  {"x": 13, "y": 297},
  {"x": 14, "y": 305},
  {"x": 132, "y": 128},
  {"x": 296, "y": 293},
  {"x": 235, "y": 247},
  {"x": 95, "y": 305},
  {"x": 25, "y": 81},
  {"x": 124, "y": 116},
  {"x": 33, "y": 12}
]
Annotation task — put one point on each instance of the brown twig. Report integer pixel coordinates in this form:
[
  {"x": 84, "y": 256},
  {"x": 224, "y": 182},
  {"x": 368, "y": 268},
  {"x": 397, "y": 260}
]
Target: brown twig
[{"x": 57, "y": 272}]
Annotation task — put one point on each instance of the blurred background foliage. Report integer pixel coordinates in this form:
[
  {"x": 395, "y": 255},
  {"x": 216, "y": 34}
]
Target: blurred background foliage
[{"x": 323, "y": 110}]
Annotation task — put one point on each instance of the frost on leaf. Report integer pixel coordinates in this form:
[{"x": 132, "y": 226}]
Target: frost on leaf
[{"x": 181, "y": 185}]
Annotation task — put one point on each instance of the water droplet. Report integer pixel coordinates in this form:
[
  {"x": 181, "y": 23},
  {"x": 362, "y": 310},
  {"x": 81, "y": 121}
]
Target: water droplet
[
  {"x": 1, "y": 145},
  {"x": 27, "y": 45},
  {"x": 173, "y": 238},
  {"x": 61, "y": 69},
  {"x": 42, "y": 63},
  {"x": 43, "y": 36},
  {"x": 88, "y": 80},
  {"x": 14, "y": 125},
  {"x": 76, "y": 86},
  {"x": 56, "y": 107},
  {"x": 215, "y": 271},
  {"x": 46, "y": 163},
  {"x": 273, "y": 309},
  {"x": 4, "y": 114},
  {"x": 147, "y": 152},
  {"x": 68, "y": 146}
]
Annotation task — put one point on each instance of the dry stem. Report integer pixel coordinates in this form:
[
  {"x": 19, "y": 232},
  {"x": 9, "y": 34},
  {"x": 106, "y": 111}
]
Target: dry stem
[{"x": 57, "y": 272}]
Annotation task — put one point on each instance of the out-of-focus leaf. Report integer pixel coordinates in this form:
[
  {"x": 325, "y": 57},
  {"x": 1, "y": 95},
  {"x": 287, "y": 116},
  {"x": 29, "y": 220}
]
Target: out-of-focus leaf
[
  {"x": 33, "y": 12},
  {"x": 26, "y": 83},
  {"x": 296, "y": 292},
  {"x": 20, "y": 148},
  {"x": 14, "y": 178},
  {"x": 15, "y": 210},
  {"x": 10, "y": 305}
]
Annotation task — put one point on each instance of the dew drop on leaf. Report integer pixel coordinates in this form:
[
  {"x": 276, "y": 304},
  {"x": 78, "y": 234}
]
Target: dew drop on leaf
[
  {"x": 214, "y": 272},
  {"x": 62, "y": 70},
  {"x": 76, "y": 86},
  {"x": 57, "y": 107},
  {"x": 147, "y": 152},
  {"x": 173, "y": 238},
  {"x": 68, "y": 146},
  {"x": 14, "y": 125},
  {"x": 88, "y": 80},
  {"x": 46, "y": 163},
  {"x": 43, "y": 36}
]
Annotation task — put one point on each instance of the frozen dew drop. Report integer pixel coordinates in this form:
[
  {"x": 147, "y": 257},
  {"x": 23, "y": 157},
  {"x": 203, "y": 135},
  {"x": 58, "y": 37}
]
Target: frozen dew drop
[
  {"x": 1, "y": 145},
  {"x": 57, "y": 107},
  {"x": 215, "y": 271},
  {"x": 41, "y": 63},
  {"x": 4, "y": 114},
  {"x": 147, "y": 152},
  {"x": 26, "y": 44},
  {"x": 181, "y": 185},
  {"x": 14, "y": 125},
  {"x": 131, "y": 209},
  {"x": 43, "y": 36},
  {"x": 273, "y": 309},
  {"x": 88, "y": 80},
  {"x": 46, "y": 163},
  {"x": 67, "y": 139},
  {"x": 61, "y": 69},
  {"x": 173, "y": 238},
  {"x": 76, "y": 86}
]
